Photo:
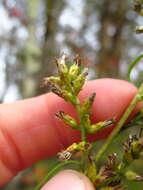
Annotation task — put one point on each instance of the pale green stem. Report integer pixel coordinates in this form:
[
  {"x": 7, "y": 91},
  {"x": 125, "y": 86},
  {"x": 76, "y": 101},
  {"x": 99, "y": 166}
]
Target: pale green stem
[
  {"x": 54, "y": 170},
  {"x": 136, "y": 99},
  {"x": 83, "y": 131},
  {"x": 83, "y": 137}
]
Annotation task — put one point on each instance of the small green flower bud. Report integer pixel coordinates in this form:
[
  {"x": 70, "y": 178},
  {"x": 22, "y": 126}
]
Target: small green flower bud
[
  {"x": 54, "y": 80},
  {"x": 88, "y": 103},
  {"x": 67, "y": 119},
  {"x": 72, "y": 147},
  {"x": 72, "y": 150},
  {"x": 132, "y": 176},
  {"x": 62, "y": 67},
  {"x": 98, "y": 126},
  {"x": 73, "y": 71},
  {"x": 67, "y": 96},
  {"x": 81, "y": 146},
  {"x": 137, "y": 149},
  {"x": 79, "y": 81},
  {"x": 133, "y": 148}
]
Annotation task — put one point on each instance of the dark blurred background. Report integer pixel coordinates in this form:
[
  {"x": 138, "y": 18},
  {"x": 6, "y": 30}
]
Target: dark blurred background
[{"x": 34, "y": 32}]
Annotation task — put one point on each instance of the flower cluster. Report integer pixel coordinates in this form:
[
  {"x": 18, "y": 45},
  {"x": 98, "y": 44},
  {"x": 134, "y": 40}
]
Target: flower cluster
[{"x": 67, "y": 85}]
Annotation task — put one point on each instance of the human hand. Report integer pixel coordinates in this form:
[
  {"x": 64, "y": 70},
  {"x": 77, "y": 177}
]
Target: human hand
[{"x": 29, "y": 131}]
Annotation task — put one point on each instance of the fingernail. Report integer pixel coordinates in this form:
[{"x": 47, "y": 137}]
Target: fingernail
[{"x": 68, "y": 179}]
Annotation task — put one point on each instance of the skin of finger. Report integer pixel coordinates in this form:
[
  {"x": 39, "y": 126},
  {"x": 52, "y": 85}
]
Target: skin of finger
[
  {"x": 29, "y": 130},
  {"x": 69, "y": 179}
]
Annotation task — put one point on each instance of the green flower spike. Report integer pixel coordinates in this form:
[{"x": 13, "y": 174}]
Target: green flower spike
[{"x": 81, "y": 156}]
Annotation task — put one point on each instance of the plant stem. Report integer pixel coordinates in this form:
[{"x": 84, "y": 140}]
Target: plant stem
[
  {"x": 83, "y": 136},
  {"x": 54, "y": 170},
  {"x": 136, "y": 99},
  {"x": 83, "y": 131}
]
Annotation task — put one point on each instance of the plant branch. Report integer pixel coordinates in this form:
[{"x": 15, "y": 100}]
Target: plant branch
[{"x": 136, "y": 99}]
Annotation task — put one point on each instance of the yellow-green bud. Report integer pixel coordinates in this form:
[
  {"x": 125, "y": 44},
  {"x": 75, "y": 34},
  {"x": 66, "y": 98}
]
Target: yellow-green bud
[
  {"x": 73, "y": 71},
  {"x": 72, "y": 147},
  {"x": 133, "y": 148},
  {"x": 132, "y": 176},
  {"x": 98, "y": 126},
  {"x": 54, "y": 80},
  {"x": 62, "y": 67},
  {"x": 67, "y": 119},
  {"x": 79, "y": 81},
  {"x": 137, "y": 148},
  {"x": 88, "y": 103},
  {"x": 67, "y": 96},
  {"x": 82, "y": 146}
]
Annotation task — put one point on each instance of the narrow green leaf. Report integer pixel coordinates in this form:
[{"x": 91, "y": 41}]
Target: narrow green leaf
[
  {"x": 54, "y": 170},
  {"x": 133, "y": 64}
]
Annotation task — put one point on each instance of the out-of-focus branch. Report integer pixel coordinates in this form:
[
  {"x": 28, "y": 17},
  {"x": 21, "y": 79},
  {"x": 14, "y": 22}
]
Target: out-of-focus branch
[
  {"x": 32, "y": 50},
  {"x": 50, "y": 49},
  {"x": 110, "y": 37}
]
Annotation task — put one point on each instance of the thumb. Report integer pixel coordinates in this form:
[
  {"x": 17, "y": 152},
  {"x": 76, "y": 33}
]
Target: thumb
[{"x": 69, "y": 179}]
